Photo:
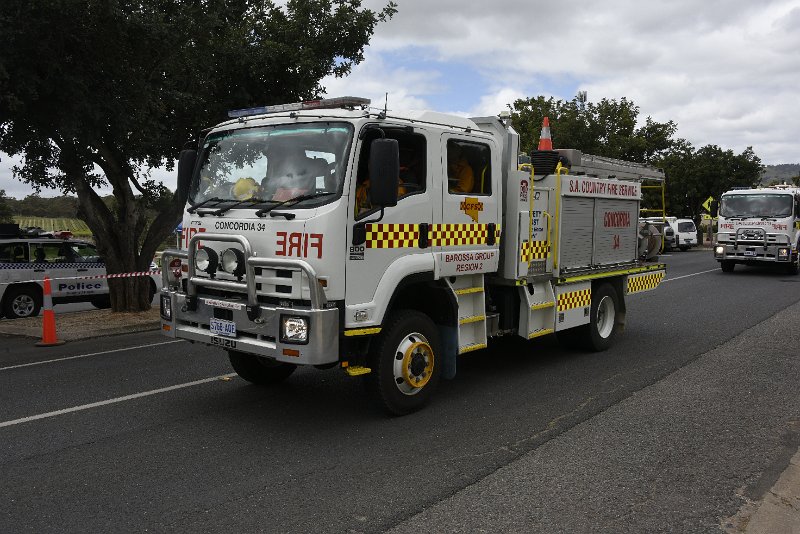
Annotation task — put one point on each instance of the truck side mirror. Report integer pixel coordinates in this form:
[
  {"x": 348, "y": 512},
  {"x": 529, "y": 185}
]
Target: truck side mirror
[
  {"x": 714, "y": 207},
  {"x": 384, "y": 172},
  {"x": 186, "y": 162}
]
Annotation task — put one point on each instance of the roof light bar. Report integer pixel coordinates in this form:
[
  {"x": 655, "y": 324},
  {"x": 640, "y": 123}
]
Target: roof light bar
[{"x": 323, "y": 103}]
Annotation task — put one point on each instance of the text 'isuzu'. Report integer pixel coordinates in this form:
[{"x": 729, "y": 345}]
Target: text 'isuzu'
[{"x": 327, "y": 234}]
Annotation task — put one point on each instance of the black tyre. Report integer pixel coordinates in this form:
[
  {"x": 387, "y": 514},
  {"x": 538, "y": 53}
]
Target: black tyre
[
  {"x": 258, "y": 370},
  {"x": 727, "y": 266},
  {"x": 602, "y": 329},
  {"x": 403, "y": 359},
  {"x": 21, "y": 302},
  {"x": 101, "y": 302},
  {"x": 794, "y": 267}
]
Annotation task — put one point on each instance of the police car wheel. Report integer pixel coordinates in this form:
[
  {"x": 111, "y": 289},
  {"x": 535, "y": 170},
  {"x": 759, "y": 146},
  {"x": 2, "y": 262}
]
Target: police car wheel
[
  {"x": 403, "y": 359},
  {"x": 21, "y": 302},
  {"x": 258, "y": 370}
]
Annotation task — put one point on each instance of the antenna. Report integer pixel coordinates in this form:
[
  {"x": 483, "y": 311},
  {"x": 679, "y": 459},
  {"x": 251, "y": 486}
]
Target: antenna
[
  {"x": 382, "y": 114},
  {"x": 582, "y": 99}
]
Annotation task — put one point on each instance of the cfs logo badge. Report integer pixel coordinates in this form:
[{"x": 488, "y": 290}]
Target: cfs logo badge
[{"x": 472, "y": 207}]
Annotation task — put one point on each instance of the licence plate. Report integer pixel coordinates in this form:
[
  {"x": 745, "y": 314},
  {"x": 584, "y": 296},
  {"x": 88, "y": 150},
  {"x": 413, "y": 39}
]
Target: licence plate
[
  {"x": 221, "y": 327},
  {"x": 749, "y": 252},
  {"x": 689, "y": 240}
]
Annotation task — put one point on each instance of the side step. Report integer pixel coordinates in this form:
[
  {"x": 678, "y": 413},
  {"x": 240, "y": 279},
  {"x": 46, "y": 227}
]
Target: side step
[
  {"x": 537, "y": 312},
  {"x": 469, "y": 292}
]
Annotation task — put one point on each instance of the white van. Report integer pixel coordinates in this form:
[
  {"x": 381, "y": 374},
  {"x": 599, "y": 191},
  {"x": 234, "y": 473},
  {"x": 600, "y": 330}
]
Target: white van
[
  {"x": 69, "y": 263},
  {"x": 685, "y": 233}
]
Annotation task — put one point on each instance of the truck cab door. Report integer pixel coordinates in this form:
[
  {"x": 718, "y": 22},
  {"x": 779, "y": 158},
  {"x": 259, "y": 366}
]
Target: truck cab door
[
  {"x": 465, "y": 235},
  {"x": 393, "y": 249}
]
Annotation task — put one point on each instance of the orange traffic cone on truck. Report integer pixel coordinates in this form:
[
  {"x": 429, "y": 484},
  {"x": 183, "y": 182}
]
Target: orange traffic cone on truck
[
  {"x": 49, "y": 337},
  {"x": 545, "y": 142}
]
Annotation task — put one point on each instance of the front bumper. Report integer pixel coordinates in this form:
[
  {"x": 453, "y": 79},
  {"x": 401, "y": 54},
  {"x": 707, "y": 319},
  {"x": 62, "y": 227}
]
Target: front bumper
[
  {"x": 258, "y": 325},
  {"x": 260, "y": 336},
  {"x": 747, "y": 253}
]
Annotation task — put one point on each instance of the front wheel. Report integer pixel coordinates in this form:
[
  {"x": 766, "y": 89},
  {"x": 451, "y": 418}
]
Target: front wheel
[
  {"x": 259, "y": 370},
  {"x": 405, "y": 370},
  {"x": 794, "y": 267},
  {"x": 727, "y": 266},
  {"x": 21, "y": 302}
]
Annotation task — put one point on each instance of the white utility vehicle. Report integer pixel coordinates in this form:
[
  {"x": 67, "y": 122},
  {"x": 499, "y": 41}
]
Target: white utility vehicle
[
  {"x": 327, "y": 234},
  {"x": 758, "y": 227}
]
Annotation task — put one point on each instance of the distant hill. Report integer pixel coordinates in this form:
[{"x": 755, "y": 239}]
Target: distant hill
[{"x": 782, "y": 173}]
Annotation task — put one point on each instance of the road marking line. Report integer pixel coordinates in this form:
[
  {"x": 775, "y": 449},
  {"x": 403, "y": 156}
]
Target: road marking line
[
  {"x": 90, "y": 354},
  {"x": 113, "y": 401},
  {"x": 688, "y": 275}
]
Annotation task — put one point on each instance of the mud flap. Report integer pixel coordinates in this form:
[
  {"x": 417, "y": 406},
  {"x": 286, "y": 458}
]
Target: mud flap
[{"x": 449, "y": 338}]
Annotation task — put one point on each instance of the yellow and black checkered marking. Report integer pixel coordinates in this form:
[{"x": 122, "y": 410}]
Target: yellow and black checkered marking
[
  {"x": 534, "y": 250},
  {"x": 574, "y": 299},
  {"x": 643, "y": 282},
  {"x": 443, "y": 235},
  {"x": 392, "y": 235},
  {"x": 449, "y": 235}
]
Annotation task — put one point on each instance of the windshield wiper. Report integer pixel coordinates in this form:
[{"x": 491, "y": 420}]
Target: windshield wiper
[
  {"x": 194, "y": 207},
  {"x": 295, "y": 200},
  {"x": 240, "y": 203}
]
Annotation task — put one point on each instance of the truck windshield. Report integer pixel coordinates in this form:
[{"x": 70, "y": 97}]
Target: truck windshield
[
  {"x": 257, "y": 166},
  {"x": 756, "y": 205}
]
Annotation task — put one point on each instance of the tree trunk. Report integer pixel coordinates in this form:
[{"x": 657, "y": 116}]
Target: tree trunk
[{"x": 120, "y": 234}]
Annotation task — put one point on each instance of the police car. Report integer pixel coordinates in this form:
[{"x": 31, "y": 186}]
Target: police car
[{"x": 26, "y": 257}]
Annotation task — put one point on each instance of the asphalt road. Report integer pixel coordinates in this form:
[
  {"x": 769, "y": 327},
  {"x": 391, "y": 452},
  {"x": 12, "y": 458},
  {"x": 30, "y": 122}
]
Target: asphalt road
[{"x": 692, "y": 412}]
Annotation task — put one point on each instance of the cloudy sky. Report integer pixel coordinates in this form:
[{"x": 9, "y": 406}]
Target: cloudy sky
[{"x": 726, "y": 71}]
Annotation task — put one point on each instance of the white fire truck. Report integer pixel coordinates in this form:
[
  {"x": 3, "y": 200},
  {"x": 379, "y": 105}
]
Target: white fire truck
[
  {"x": 758, "y": 227},
  {"x": 327, "y": 234}
]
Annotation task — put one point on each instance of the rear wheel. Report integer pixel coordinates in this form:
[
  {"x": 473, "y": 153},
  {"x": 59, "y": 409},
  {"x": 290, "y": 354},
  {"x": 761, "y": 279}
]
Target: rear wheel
[
  {"x": 727, "y": 266},
  {"x": 258, "y": 370},
  {"x": 21, "y": 302},
  {"x": 405, "y": 370},
  {"x": 602, "y": 329}
]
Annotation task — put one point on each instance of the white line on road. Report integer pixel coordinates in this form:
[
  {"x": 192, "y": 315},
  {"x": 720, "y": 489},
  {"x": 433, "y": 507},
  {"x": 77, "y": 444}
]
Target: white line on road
[
  {"x": 90, "y": 354},
  {"x": 113, "y": 401},
  {"x": 688, "y": 275}
]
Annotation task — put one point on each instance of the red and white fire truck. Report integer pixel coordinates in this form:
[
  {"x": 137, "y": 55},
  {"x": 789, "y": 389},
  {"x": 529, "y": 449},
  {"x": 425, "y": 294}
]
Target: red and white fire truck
[{"x": 329, "y": 234}]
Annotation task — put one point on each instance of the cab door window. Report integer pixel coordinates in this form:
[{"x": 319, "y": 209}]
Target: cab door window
[
  {"x": 413, "y": 169},
  {"x": 468, "y": 168}
]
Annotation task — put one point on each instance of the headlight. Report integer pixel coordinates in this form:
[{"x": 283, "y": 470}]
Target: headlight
[
  {"x": 166, "y": 307},
  {"x": 294, "y": 329},
  {"x": 206, "y": 260},
  {"x": 783, "y": 253},
  {"x": 719, "y": 250},
  {"x": 233, "y": 261}
]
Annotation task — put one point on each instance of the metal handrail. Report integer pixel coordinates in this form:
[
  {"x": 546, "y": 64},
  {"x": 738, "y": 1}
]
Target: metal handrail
[{"x": 317, "y": 294}]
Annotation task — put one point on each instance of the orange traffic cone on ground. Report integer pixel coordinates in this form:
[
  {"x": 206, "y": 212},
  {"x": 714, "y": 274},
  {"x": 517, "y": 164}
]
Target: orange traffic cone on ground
[
  {"x": 545, "y": 142},
  {"x": 49, "y": 337}
]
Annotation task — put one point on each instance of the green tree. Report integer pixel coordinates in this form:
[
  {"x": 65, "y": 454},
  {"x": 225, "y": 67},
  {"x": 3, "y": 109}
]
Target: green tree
[
  {"x": 93, "y": 92},
  {"x": 6, "y": 212},
  {"x": 606, "y": 128}
]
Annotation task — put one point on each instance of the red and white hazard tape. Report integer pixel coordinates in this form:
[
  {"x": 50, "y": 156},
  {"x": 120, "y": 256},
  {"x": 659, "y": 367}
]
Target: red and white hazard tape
[
  {"x": 120, "y": 275},
  {"x": 155, "y": 272}
]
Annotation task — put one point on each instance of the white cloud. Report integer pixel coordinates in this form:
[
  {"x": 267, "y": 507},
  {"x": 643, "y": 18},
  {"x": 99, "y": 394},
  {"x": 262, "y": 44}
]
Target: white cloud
[{"x": 724, "y": 70}]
